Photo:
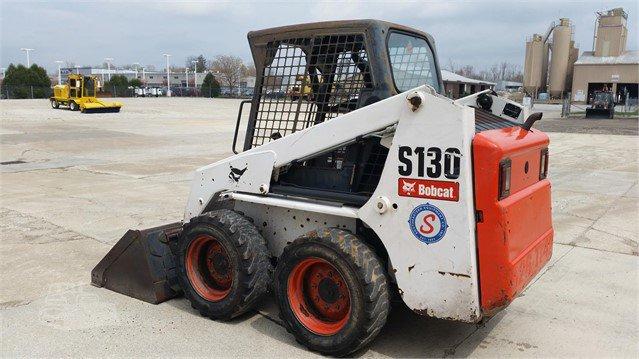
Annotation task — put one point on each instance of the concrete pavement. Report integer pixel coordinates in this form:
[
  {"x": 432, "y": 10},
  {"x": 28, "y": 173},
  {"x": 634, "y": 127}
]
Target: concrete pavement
[{"x": 82, "y": 180}]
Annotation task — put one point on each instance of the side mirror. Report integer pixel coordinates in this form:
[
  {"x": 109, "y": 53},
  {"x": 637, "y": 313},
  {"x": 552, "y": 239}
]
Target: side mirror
[{"x": 531, "y": 119}]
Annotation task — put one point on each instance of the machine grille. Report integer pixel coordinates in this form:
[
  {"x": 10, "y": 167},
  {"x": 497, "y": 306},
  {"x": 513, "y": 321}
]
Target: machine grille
[
  {"x": 307, "y": 81},
  {"x": 485, "y": 120}
]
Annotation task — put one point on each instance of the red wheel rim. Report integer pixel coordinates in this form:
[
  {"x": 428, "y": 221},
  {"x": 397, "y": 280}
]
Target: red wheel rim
[
  {"x": 208, "y": 268},
  {"x": 319, "y": 296}
]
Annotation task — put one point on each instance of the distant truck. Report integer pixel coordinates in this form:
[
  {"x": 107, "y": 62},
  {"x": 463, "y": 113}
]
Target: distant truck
[
  {"x": 602, "y": 105},
  {"x": 79, "y": 94}
]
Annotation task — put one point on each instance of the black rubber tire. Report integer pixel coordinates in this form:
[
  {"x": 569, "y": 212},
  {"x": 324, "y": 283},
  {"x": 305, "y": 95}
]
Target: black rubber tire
[
  {"x": 247, "y": 252},
  {"x": 365, "y": 276},
  {"x": 55, "y": 104},
  {"x": 73, "y": 106}
]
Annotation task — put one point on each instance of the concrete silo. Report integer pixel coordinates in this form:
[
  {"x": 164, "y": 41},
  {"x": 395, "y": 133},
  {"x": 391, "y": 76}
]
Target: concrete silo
[
  {"x": 561, "y": 37},
  {"x": 535, "y": 64}
]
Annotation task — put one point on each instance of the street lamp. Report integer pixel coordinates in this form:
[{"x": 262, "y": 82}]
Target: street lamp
[
  {"x": 186, "y": 73},
  {"x": 168, "y": 76},
  {"x": 59, "y": 72},
  {"x": 77, "y": 69},
  {"x": 108, "y": 61},
  {"x": 195, "y": 74},
  {"x": 143, "y": 78},
  {"x": 26, "y": 50},
  {"x": 136, "y": 68}
]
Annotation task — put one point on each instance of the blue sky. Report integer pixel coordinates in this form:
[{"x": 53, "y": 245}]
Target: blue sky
[{"x": 479, "y": 33}]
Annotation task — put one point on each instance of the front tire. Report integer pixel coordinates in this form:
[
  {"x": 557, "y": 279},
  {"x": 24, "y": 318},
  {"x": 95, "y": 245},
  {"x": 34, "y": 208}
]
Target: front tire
[
  {"x": 73, "y": 106},
  {"x": 223, "y": 264},
  {"x": 332, "y": 292},
  {"x": 55, "y": 104}
]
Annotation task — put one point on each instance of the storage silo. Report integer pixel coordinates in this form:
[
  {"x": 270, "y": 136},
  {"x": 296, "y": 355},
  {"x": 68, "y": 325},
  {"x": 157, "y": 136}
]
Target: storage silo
[
  {"x": 535, "y": 64},
  {"x": 561, "y": 37},
  {"x": 572, "y": 58}
]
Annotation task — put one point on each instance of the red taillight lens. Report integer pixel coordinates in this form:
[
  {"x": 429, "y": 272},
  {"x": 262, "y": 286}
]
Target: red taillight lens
[
  {"x": 543, "y": 164},
  {"x": 504, "y": 178}
]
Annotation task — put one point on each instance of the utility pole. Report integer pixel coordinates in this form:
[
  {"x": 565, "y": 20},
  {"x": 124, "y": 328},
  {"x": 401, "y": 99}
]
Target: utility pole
[
  {"x": 77, "y": 69},
  {"x": 168, "y": 76},
  {"x": 59, "y": 72},
  {"x": 143, "y": 78},
  {"x": 26, "y": 50},
  {"x": 108, "y": 61},
  {"x": 186, "y": 73}
]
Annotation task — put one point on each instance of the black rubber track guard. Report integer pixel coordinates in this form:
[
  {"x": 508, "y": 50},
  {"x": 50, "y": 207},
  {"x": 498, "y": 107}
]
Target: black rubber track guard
[{"x": 141, "y": 265}]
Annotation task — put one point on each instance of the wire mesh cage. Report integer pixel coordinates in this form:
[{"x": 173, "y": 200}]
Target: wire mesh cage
[{"x": 308, "y": 81}]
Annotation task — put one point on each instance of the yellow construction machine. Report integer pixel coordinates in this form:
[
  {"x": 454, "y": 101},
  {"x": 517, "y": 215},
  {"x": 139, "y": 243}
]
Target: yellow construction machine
[{"x": 79, "y": 94}]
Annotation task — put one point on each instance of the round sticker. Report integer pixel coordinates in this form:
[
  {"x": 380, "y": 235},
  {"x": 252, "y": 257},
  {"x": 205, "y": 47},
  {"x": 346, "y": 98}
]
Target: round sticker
[{"x": 428, "y": 223}]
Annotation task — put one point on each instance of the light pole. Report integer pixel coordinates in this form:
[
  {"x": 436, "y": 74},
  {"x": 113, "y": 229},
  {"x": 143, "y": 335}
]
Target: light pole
[
  {"x": 168, "y": 76},
  {"x": 136, "y": 68},
  {"x": 143, "y": 78},
  {"x": 59, "y": 72},
  {"x": 77, "y": 69},
  {"x": 108, "y": 61},
  {"x": 186, "y": 73},
  {"x": 26, "y": 50},
  {"x": 195, "y": 74}
]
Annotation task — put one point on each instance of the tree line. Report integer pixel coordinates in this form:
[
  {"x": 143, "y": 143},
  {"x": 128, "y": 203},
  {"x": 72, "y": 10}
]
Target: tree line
[
  {"x": 26, "y": 82},
  {"x": 497, "y": 72}
]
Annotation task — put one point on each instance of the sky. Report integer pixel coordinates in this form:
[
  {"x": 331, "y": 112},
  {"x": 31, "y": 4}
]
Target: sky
[{"x": 477, "y": 33}]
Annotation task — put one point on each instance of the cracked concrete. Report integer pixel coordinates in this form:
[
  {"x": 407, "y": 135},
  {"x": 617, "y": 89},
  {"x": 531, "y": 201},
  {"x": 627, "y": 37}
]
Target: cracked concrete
[{"x": 88, "y": 178}]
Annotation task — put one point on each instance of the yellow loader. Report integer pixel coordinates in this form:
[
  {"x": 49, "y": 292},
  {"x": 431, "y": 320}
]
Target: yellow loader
[{"x": 79, "y": 94}]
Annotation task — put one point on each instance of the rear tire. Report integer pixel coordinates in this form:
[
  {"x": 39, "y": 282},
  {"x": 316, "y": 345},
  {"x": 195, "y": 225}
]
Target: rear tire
[
  {"x": 73, "y": 106},
  {"x": 321, "y": 274},
  {"x": 55, "y": 104},
  {"x": 223, "y": 264}
]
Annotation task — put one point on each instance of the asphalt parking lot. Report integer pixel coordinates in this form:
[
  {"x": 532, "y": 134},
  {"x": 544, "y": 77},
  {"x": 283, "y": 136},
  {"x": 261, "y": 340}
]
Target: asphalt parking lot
[{"x": 71, "y": 184}]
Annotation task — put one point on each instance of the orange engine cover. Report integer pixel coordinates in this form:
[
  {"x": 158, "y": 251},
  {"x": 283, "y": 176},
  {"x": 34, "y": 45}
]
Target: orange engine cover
[{"x": 514, "y": 234}]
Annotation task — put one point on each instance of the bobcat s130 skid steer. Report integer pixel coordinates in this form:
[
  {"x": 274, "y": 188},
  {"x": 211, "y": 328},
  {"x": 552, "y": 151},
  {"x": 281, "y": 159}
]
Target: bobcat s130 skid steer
[{"x": 371, "y": 185}]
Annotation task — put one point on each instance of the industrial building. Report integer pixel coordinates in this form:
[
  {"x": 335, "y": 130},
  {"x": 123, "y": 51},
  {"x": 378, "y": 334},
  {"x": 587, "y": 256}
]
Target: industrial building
[
  {"x": 148, "y": 78},
  {"x": 456, "y": 86},
  {"x": 553, "y": 65},
  {"x": 610, "y": 66}
]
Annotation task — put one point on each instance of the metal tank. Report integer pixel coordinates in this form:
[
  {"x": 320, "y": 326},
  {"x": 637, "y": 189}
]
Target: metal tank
[
  {"x": 561, "y": 38},
  {"x": 535, "y": 64}
]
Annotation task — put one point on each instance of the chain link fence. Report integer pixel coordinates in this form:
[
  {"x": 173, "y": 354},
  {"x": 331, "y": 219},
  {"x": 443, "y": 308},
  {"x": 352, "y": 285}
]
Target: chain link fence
[
  {"x": 25, "y": 92},
  {"x": 36, "y": 92}
]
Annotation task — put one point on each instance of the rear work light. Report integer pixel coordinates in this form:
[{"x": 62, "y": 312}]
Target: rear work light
[
  {"x": 504, "y": 178},
  {"x": 543, "y": 164}
]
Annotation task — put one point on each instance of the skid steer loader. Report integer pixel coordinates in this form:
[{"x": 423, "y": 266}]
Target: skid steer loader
[
  {"x": 373, "y": 184},
  {"x": 79, "y": 94}
]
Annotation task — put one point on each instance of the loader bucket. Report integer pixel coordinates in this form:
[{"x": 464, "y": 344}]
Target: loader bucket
[
  {"x": 141, "y": 265},
  {"x": 598, "y": 113}
]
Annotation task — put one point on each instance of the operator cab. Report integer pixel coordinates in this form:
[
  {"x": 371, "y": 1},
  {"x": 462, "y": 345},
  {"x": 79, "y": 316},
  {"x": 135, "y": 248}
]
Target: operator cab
[{"x": 311, "y": 73}]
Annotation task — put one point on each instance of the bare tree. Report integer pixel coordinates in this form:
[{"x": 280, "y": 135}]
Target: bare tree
[
  {"x": 231, "y": 68},
  {"x": 250, "y": 70}
]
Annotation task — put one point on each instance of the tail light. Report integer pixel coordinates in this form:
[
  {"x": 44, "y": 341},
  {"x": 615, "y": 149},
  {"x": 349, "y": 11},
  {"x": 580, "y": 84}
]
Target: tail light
[
  {"x": 504, "y": 178},
  {"x": 543, "y": 164}
]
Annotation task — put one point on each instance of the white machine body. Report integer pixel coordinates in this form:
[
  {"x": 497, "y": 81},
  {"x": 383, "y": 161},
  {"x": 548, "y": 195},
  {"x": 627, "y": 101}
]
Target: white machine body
[{"x": 422, "y": 209}]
